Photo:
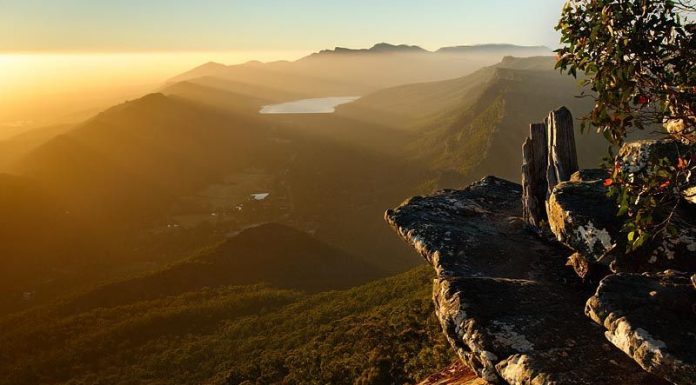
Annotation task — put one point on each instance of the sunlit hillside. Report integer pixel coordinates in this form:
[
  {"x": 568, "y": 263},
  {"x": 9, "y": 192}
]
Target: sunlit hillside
[
  {"x": 160, "y": 177},
  {"x": 312, "y": 192}
]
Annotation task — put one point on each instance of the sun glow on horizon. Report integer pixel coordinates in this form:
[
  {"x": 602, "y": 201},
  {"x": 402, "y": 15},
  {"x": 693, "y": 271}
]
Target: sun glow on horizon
[{"x": 38, "y": 88}]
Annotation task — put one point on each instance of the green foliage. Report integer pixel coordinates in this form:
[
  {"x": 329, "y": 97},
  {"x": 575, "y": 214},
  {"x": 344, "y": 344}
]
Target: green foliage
[
  {"x": 638, "y": 61},
  {"x": 380, "y": 333},
  {"x": 649, "y": 198},
  {"x": 639, "y": 64}
]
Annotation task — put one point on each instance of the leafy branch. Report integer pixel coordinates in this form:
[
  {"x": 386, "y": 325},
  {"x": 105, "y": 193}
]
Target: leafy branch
[{"x": 637, "y": 60}]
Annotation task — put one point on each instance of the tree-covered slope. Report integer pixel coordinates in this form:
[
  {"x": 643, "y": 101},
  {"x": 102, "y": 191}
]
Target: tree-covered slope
[
  {"x": 382, "y": 332},
  {"x": 474, "y": 125},
  {"x": 281, "y": 256}
]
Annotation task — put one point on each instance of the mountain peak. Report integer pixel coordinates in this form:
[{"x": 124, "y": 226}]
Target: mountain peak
[
  {"x": 211, "y": 65},
  {"x": 377, "y": 48},
  {"x": 495, "y": 48},
  {"x": 210, "y": 68},
  {"x": 386, "y": 47}
]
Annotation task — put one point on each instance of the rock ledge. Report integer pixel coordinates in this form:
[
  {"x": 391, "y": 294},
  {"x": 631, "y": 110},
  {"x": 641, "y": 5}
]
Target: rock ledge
[
  {"x": 650, "y": 317},
  {"x": 508, "y": 307}
]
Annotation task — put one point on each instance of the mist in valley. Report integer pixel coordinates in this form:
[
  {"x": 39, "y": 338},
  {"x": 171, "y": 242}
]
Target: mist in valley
[{"x": 217, "y": 217}]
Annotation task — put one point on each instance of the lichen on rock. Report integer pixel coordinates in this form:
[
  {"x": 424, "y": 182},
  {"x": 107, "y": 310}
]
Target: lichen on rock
[
  {"x": 650, "y": 318},
  {"x": 583, "y": 217}
]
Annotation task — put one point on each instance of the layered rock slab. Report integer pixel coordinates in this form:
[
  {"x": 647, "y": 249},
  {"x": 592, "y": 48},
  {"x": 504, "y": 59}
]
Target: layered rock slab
[
  {"x": 583, "y": 217},
  {"x": 651, "y": 318},
  {"x": 508, "y": 307}
]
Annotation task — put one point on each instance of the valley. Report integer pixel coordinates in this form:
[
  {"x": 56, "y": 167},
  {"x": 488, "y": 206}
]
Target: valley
[
  {"x": 313, "y": 192},
  {"x": 188, "y": 161},
  {"x": 180, "y": 225}
]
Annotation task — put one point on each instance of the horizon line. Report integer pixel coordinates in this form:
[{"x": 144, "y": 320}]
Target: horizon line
[{"x": 69, "y": 51}]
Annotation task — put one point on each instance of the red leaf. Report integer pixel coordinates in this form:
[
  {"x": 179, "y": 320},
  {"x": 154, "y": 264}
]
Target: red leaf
[{"x": 682, "y": 163}]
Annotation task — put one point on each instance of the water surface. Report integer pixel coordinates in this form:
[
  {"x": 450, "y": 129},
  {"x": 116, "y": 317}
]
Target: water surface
[{"x": 309, "y": 106}]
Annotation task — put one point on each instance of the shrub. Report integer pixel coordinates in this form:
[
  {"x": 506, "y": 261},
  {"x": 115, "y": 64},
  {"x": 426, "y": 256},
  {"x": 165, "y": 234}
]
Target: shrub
[{"x": 638, "y": 62}]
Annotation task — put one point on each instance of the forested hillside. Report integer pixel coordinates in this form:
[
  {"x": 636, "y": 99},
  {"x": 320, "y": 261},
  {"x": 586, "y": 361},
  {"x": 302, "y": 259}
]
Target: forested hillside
[
  {"x": 382, "y": 331},
  {"x": 459, "y": 124}
]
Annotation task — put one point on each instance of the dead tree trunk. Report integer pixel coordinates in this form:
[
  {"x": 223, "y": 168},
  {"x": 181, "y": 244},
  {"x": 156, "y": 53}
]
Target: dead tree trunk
[
  {"x": 534, "y": 165},
  {"x": 563, "y": 156},
  {"x": 548, "y": 158}
]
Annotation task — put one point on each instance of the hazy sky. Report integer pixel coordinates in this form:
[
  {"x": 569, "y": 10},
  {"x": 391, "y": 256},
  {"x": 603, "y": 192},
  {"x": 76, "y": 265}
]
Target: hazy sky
[
  {"x": 62, "y": 60},
  {"x": 137, "y": 25}
]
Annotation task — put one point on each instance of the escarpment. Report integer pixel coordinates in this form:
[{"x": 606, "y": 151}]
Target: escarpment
[{"x": 516, "y": 264}]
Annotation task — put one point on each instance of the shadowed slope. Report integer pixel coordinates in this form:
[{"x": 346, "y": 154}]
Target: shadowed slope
[
  {"x": 275, "y": 254},
  {"x": 228, "y": 335}
]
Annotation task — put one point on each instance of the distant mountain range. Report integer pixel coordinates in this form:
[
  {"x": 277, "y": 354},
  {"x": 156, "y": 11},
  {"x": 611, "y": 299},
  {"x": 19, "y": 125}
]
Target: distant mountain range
[
  {"x": 344, "y": 71},
  {"x": 386, "y": 48},
  {"x": 506, "y": 49},
  {"x": 377, "y": 48}
]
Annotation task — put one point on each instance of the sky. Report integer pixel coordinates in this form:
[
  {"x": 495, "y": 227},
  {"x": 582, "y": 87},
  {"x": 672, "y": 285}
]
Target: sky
[
  {"x": 62, "y": 60},
  {"x": 266, "y": 25}
]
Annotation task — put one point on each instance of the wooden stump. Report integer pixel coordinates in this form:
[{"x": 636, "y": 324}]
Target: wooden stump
[
  {"x": 549, "y": 157},
  {"x": 562, "y": 154},
  {"x": 534, "y": 165}
]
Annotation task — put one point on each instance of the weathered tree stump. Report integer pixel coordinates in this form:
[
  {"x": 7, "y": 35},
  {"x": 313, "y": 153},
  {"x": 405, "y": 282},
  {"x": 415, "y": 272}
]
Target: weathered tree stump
[
  {"x": 562, "y": 154},
  {"x": 549, "y": 157},
  {"x": 534, "y": 165}
]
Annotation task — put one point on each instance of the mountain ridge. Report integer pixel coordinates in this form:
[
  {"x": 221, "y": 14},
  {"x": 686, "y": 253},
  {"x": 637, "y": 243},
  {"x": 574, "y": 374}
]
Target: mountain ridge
[
  {"x": 294, "y": 260},
  {"x": 461, "y": 121},
  {"x": 352, "y": 64}
]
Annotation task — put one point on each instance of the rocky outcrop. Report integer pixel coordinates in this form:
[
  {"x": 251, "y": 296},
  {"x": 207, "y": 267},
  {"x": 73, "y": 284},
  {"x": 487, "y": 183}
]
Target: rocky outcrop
[
  {"x": 637, "y": 156},
  {"x": 690, "y": 195},
  {"x": 534, "y": 168},
  {"x": 509, "y": 308},
  {"x": 589, "y": 175},
  {"x": 651, "y": 318},
  {"x": 583, "y": 217}
]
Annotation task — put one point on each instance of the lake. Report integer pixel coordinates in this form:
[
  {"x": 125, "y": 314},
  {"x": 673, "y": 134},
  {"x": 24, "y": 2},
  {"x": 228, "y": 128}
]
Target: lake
[{"x": 309, "y": 106}]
